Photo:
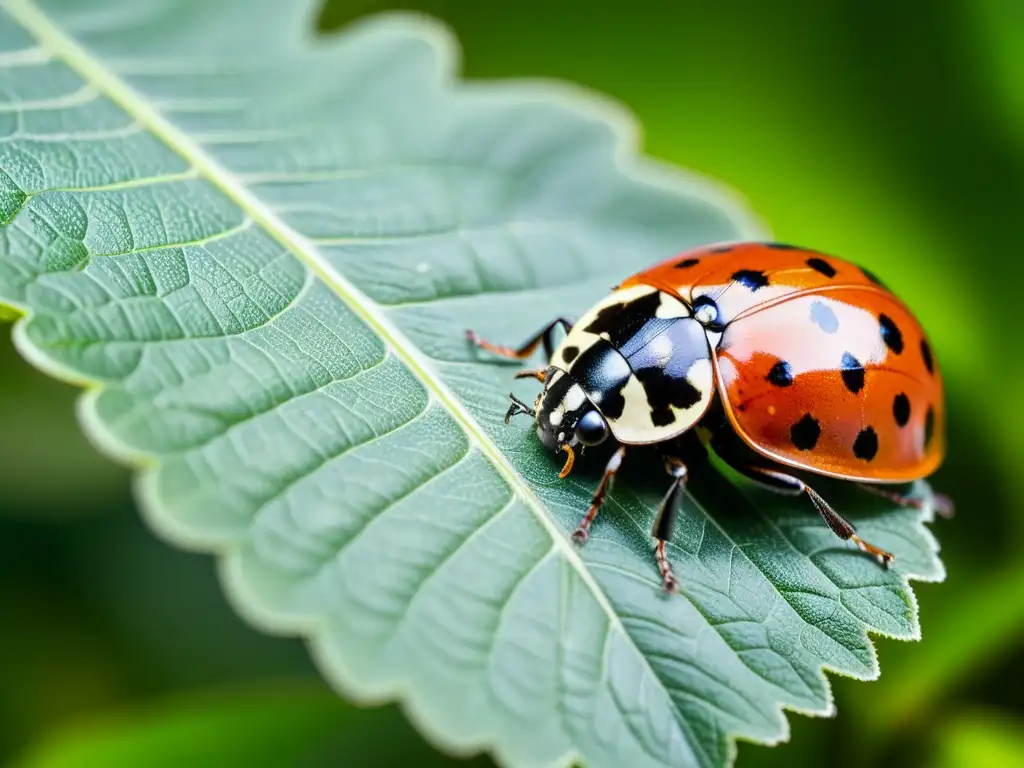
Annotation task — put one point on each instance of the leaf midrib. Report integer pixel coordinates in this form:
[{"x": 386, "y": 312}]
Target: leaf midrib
[{"x": 94, "y": 73}]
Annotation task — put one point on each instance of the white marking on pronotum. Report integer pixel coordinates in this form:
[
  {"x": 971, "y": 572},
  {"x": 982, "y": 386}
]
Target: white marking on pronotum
[
  {"x": 701, "y": 376},
  {"x": 574, "y": 398},
  {"x": 555, "y": 418},
  {"x": 661, "y": 348},
  {"x": 636, "y": 413},
  {"x": 626, "y": 295},
  {"x": 670, "y": 307}
]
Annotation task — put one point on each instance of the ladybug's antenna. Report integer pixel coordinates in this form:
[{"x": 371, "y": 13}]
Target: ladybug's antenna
[{"x": 518, "y": 407}]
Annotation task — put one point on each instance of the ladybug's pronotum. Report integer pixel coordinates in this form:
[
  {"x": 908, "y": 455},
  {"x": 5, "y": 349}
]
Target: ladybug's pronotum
[{"x": 785, "y": 358}]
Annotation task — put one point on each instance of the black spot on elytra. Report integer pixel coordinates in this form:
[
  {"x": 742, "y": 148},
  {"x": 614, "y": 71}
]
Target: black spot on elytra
[
  {"x": 569, "y": 353},
  {"x": 782, "y": 246},
  {"x": 781, "y": 374},
  {"x": 901, "y": 409},
  {"x": 926, "y": 353},
  {"x": 890, "y": 333},
  {"x": 805, "y": 433},
  {"x": 929, "y": 426},
  {"x": 822, "y": 266},
  {"x": 872, "y": 277},
  {"x": 751, "y": 278},
  {"x": 687, "y": 263},
  {"x": 823, "y": 317},
  {"x": 866, "y": 445},
  {"x": 852, "y": 373}
]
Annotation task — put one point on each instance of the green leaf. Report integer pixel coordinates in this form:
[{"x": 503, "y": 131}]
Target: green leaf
[
  {"x": 257, "y": 725},
  {"x": 259, "y": 251}
]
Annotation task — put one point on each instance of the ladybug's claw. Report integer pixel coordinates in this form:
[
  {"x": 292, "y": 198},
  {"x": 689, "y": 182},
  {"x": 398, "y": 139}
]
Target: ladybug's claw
[
  {"x": 518, "y": 407},
  {"x": 669, "y": 582},
  {"x": 582, "y": 533},
  {"x": 884, "y": 558}
]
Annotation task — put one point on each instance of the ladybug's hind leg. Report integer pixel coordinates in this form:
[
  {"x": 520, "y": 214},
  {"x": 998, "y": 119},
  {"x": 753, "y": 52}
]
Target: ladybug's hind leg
[
  {"x": 784, "y": 483},
  {"x": 544, "y": 336},
  {"x": 729, "y": 450},
  {"x": 942, "y": 504}
]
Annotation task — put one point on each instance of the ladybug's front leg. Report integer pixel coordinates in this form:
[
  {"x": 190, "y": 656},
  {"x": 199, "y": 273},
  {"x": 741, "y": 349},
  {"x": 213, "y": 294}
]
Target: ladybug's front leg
[
  {"x": 664, "y": 521},
  {"x": 545, "y": 335},
  {"x": 582, "y": 532}
]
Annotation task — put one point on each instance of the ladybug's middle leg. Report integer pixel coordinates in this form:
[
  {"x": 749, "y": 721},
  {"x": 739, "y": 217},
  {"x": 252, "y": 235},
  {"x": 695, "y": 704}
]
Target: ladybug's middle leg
[
  {"x": 544, "y": 336},
  {"x": 665, "y": 521}
]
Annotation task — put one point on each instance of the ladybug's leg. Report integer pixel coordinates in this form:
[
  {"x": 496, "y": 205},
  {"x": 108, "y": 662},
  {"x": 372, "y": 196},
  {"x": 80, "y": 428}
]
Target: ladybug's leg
[
  {"x": 545, "y": 335},
  {"x": 942, "y": 505},
  {"x": 841, "y": 527},
  {"x": 726, "y": 444},
  {"x": 582, "y": 531},
  {"x": 665, "y": 521},
  {"x": 537, "y": 373}
]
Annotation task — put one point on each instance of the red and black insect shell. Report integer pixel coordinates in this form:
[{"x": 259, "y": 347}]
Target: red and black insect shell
[{"x": 819, "y": 366}]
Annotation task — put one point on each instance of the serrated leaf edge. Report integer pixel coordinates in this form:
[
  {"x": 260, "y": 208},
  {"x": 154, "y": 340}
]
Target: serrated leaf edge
[{"x": 629, "y": 161}]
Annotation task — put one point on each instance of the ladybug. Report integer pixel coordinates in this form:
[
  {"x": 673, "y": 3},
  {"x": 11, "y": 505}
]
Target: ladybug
[{"x": 780, "y": 358}]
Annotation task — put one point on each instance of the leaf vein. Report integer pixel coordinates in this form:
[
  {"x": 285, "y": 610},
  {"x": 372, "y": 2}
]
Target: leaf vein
[{"x": 91, "y": 70}]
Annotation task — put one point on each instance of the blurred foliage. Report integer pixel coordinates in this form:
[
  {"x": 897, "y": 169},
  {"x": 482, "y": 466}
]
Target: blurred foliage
[
  {"x": 274, "y": 726},
  {"x": 892, "y": 134},
  {"x": 981, "y": 739},
  {"x": 287, "y": 725}
]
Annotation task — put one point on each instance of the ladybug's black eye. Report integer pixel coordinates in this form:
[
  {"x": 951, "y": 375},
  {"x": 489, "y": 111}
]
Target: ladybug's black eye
[{"x": 592, "y": 428}]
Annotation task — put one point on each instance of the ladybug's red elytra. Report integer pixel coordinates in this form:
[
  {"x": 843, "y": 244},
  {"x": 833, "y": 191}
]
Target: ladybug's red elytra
[{"x": 784, "y": 358}]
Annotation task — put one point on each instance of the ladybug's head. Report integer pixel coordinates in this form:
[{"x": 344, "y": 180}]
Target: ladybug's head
[{"x": 566, "y": 419}]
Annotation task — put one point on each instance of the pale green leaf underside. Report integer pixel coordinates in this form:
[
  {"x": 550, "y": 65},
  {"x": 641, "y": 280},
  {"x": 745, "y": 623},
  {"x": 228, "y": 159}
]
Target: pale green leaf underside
[{"x": 260, "y": 252}]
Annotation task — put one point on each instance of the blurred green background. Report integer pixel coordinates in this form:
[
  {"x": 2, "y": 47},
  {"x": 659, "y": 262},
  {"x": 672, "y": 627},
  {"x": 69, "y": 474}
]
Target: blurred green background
[{"x": 888, "y": 133}]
